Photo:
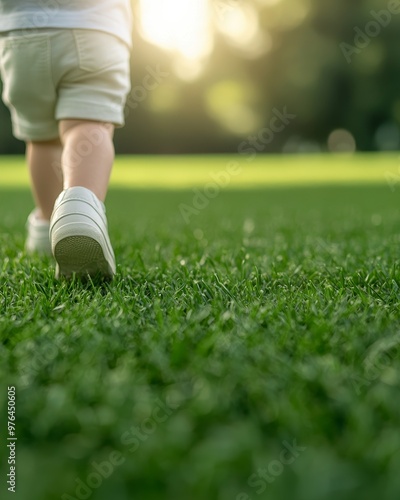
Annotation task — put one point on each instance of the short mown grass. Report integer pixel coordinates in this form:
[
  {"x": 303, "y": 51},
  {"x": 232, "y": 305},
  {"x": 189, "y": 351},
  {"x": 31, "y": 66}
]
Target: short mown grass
[{"x": 269, "y": 322}]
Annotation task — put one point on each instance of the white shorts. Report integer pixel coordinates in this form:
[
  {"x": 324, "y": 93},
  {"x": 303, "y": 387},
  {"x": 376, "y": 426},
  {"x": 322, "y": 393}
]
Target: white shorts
[{"x": 55, "y": 74}]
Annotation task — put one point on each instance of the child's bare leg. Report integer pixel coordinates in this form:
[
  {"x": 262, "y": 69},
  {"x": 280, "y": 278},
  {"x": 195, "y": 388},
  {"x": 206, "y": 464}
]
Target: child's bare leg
[
  {"x": 44, "y": 161},
  {"x": 88, "y": 155}
]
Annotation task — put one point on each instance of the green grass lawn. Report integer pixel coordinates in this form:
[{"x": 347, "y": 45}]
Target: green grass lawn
[{"x": 252, "y": 353}]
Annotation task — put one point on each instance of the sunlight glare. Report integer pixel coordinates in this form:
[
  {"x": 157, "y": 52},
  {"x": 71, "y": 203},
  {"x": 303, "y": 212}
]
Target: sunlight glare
[
  {"x": 179, "y": 26},
  {"x": 239, "y": 23}
]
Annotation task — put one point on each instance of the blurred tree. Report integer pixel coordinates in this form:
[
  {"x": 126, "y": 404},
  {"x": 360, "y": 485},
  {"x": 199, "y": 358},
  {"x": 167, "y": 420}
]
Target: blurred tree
[{"x": 208, "y": 74}]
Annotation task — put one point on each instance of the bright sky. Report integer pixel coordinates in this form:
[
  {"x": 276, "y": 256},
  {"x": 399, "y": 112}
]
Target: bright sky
[
  {"x": 186, "y": 28},
  {"x": 177, "y": 25}
]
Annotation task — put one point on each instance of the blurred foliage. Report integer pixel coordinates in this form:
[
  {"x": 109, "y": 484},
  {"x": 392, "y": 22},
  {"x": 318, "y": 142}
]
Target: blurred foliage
[{"x": 262, "y": 55}]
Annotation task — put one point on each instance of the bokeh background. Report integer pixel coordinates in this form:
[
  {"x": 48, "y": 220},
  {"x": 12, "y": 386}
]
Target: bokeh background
[{"x": 223, "y": 66}]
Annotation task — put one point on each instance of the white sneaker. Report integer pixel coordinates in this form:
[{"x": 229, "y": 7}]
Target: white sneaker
[
  {"x": 79, "y": 235},
  {"x": 38, "y": 239}
]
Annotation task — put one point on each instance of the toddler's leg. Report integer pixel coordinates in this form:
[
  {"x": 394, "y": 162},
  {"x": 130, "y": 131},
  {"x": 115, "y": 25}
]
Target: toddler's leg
[
  {"x": 78, "y": 227},
  {"x": 44, "y": 161},
  {"x": 88, "y": 155}
]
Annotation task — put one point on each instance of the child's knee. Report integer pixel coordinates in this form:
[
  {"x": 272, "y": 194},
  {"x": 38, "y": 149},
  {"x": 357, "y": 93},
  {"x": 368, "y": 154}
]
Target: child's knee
[{"x": 94, "y": 132}]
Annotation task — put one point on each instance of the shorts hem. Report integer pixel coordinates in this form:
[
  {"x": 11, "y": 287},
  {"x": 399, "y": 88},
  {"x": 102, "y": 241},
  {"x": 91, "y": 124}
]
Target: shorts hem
[
  {"x": 92, "y": 112},
  {"x": 27, "y": 135}
]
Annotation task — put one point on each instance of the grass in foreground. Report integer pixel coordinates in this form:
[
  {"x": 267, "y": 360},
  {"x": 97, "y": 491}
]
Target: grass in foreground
[{"x": 272, "y": 318}]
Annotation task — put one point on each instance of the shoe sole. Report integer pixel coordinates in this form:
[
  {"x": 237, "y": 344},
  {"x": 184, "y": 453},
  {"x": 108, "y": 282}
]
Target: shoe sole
[
  {"x": 79, "y": 237},
  {"x": 82, "y": 256}
]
